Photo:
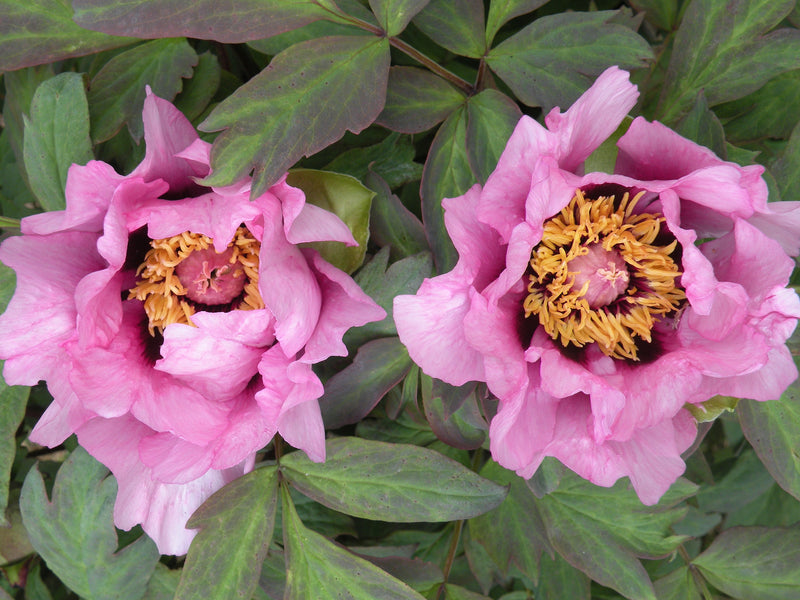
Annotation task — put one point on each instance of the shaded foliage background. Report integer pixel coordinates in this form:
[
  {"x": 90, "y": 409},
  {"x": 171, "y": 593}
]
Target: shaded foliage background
[{"x": 415, "y": 99}]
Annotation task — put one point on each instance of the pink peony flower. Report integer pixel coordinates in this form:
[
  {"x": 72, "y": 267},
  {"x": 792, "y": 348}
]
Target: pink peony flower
[
  {"x": 176, "y": 325},
  {"x": 595, "y": 306}
]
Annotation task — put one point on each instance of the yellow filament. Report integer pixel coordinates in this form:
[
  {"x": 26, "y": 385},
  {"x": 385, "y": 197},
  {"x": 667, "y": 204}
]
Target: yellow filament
[
  {"x": 564, "y": 313},
  {"x": 161, "y": 291}
]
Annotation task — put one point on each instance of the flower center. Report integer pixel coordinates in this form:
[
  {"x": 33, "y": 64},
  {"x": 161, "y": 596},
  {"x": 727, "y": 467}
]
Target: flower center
[
  {"x": 183, "y": 274},
  {"x": 597, "y": 276}
]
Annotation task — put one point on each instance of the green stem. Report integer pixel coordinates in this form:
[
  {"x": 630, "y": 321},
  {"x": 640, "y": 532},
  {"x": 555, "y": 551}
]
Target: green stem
[
  {"x": 451, "y": 557},
  {"x": 9, "y": 222}
]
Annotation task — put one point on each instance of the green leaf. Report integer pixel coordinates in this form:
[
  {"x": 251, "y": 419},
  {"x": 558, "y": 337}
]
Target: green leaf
[
  {"x": 233, "y": 22},
  {"x": 558, "y": 579},
  {"x": 771, "y": 427},
  {"x": 723, "y": 49},
  {"x": 678, "y": 585},
  {"x": 456, "y": 592},
  {"x": 308, "y": 96},
  {"x": 200, "y": 89},
  {"x": 391, "y": 482},
  {"x": 235, "y": 524},
  {"x": 454, "y": 24},
  {"x": 345, "y": 197},
  {"x": 34, "y": 32},
  {"x": 382, "y": 284},
  {"x": 502, "y": 11},
  {"x": 616, "y": 525},
  {"x": 556, "y": 58},
  {"x": 701, "y": 125},
  {"x": 416, "y": 100},
  {"x": 317, "y": 568},
  {"x": 56, "y": 136},
  {"x": 35, "y": 589},
  {"x": 754, "y": 562},
  {"x": 315, "y": 516},
  {"x": 447, "y": 174},
  {"x": 392, "y": 224},
  {"x": 604, "y": 158},
  {"x": 351, "y": 394},
  {"x": 453, "y": 413},
  {"x": 787, "y": 168},
  {"x": 708, "y": 411},
  {"x": 117, "y": 92},
  {"x": 513, "y": 533},
  {"x": 394, "y": 15},
  {"x": 770, "y": 112},
  {"x": 746, "y": 480},
  {"x": 75, "y": 535},
  {"x": 392, "y": 159},
  {"x": 278, "y": 43},
  {"x": 14, "y": 542},
  {"x": 13, "y": 400},
  {"x": 491, "y": 118},
  {"x": 773, "y": 508},
  {"x": 163, "y": 583},
  {"x": 661, "y": 13}
]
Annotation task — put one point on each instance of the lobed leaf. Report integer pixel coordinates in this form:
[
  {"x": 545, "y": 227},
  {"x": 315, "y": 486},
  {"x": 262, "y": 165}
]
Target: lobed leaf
[
  {"x": 723, "y": 49},
  {"x": 235, "y": 524},
  {"x": 352, "y": 393},
  {"x": 491, "y": 118},
  {"x": 457, "y": 25},
  {"x": 345, "y": 197},
  {"x": 391, "y": 482},
  {"x": 198, "y": 91},
  {"x": 56, "y": 136},
  {"x": 556, "y": 58},
  {"x": 232, "y": 21},
  {"x": 754, "y": 562},
  {"x": 317, "y": 568},
  {"x": 35, "y": 32},
  {"x": 117, "y": 92},
  {"x": 394, "y": 15},
  {"x": 74, "y": 532}
]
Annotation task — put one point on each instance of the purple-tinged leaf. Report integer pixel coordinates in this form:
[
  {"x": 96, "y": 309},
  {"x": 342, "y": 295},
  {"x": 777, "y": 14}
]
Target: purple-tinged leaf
[
  {"x": 491, "y": 118},
  {"x": 558, "y": 580},
  {"x": 457, "y": 25},
  {"x": 453, "y": 413},
  {"x": 502, "y": 11},
  {"x": 416, "y": 100},
  {"x": 230, "y": 21},
  {"x": 447, "y": 174},
  {"x": 305, "y": 100},
  {"x": 235, "y": 524},
  {"x": 116, "y": 93},
  {"x": 394, "y": 15},
  {"x": 754, "y": 562},
  {"x": 35, "y": 32},
  {"x": 419, "y": 574},
  {"x": 556, "y": 58},
  {"x": 398, "y": 483},
  {"x": 701, "y": 125},
  {"x": 351, "y": 394}
]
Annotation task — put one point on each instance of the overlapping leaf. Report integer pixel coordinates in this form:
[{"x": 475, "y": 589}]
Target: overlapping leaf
[
  {"x": 235, "y": 524},
  {"x": 75, "y": 535},
  {"x": 306, "y": 99},
  {"x": 393, "y": 225},
  {"x": 491, "y": 117},
  {"x": 502, "y": 11},
  {"x": 455, "y": 24},
  {"x": 394, "y": 15}
]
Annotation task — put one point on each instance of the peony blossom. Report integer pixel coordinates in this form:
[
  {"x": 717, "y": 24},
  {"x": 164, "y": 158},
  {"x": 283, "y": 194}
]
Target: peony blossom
[
  {"x": 175, "y": 324},
  {"x": 595, "y": 306}
]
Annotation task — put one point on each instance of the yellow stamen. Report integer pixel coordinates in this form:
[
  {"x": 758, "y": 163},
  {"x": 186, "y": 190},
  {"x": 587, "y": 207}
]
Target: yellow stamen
[
  {"x": 160, "y": 289},
  {"x": 565, "y": 314}
]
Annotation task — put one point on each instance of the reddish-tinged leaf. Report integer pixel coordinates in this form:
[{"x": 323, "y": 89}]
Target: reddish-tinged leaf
[{"x": 309, "y": 95}]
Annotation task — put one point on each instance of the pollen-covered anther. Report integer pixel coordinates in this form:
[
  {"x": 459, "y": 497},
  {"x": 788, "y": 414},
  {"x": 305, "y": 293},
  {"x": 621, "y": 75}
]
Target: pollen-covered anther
[
  {"x": 597, "y": 276},
  {"x": 183, "y": 274}
]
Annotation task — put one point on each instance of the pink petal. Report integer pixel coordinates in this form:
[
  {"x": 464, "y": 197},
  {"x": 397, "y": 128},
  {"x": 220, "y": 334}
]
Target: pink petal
[
  {"x": 173, "y": 460},
  {"x": 781, "y": 222},
  {"x": 248, "y": 430},
  {"x": 593, "y": 117},
  {"x": 344, "y": 305},
  {"x": 304, "y": 222},
  {"x": 302, "y": 427}
]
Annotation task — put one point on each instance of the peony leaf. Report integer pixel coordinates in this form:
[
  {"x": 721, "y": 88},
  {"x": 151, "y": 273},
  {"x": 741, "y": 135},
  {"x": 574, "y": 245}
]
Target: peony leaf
[
  {"x": 502, "y": 11},
  {"x": 771, "y": 427},
  {"x": 754, "y": 562},
  {"x": 513, "y": 534},
  {"x": 394, "y": 15},
  {"x": 56, "y": 136},
  {"x": 416, "y": 100},
  {"x": 308, "y": 96},
  {"x": 723, "y": 49},
  {"x": 745, "y": 482},
  {"x": 117, "y": 92},
  {"x": 317, "y": 568},
  {"x": 392, "y": 224},
  {"x": 235, "y": 21},
  {"x": 200, "y": 88},
  {"x": 678, "y": 585},
  {"x": 558, "y": 579},
  {"x": 661, "y": 13},
  {"x": 454, "y": 24},
  {"x": 700, "y": 124},
  {"x": 456, "y": 592},
  {"x": 278, "y": 43},
  {"x": 707, "y": 411},
  {"x": 34, "y": 32},
  {"x": 787, "y": 168},
  {"x": 382, "y": 284},
  {"x": 235, "y": 525},
  {"x": 491, "y": 117},
  {"x": 74, "y": 532},
  {"x": 446, "y": 174},
  {"x": 13, "y": 400},
  {"x": 556, "y": 58},
  {"x": 392, "y": 159},
  {"x": 345, "y": 197},
  {"x": 163, "y": 583},
  {"x": 391, "y": 482},
  {"x": 351, "y": 394},
  {"x": 453, "y": 413}
]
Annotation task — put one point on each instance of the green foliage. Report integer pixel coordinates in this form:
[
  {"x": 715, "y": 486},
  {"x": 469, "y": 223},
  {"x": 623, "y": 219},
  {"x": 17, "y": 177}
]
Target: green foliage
[
  {"x": 455, "y": 24},
  {"x": 74, "y": 534},
  {"x": 394, "y": 15}
]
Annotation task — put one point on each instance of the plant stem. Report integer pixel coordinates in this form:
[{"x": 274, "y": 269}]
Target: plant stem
[
  {"x": 451, "y": 557},
  {"x": 696, "y": 576},
  {"x": 9, "y": 222}
]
